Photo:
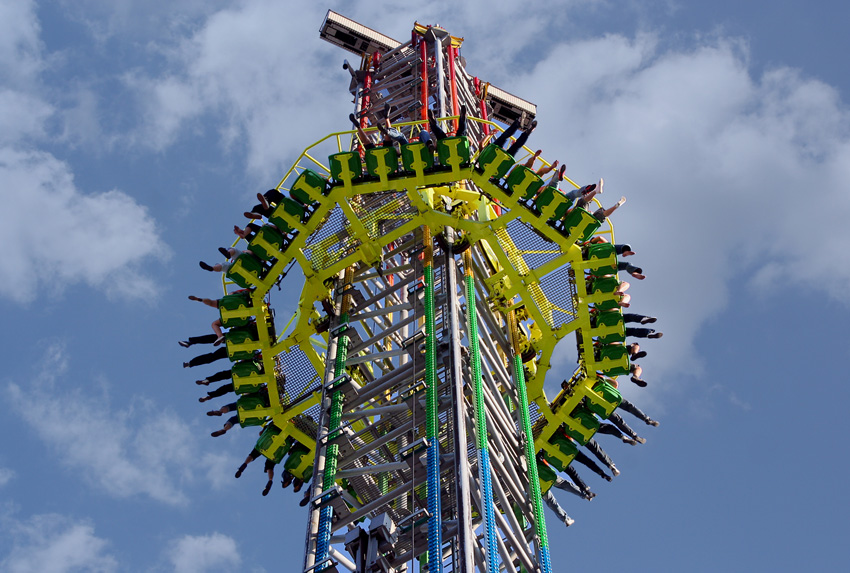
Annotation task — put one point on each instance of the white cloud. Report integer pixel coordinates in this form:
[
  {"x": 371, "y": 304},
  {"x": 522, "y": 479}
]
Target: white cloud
[
  {"x": 138, "y": 451},
  {"x": 62, "y": 236},
  {"x": 727, "y": 175},
  {"x": 6, "y": 475},
  {"x": 54, "y": 544},
  {"x": 255, "y": 86},
  {"x": 58, "y": 235},
  {"x": 20, "y": 46},
  {"x": 201, "y": 553}
]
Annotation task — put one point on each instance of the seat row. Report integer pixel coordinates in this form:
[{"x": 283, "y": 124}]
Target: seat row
[{"x": 492, "y": 171}]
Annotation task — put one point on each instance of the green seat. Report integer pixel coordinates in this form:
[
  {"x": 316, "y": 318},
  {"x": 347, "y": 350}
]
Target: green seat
[
  {"x": 611, "y": 318},
  {"x": 345, "y": 167},
  {"x": 300, "y": 462},
  {"x": 453, "y": 152},
  {"x": 546, "y": 472},
  {"x": 267, "y": 243},
  {"x": 246, "y": 270},
  {"x": 603, "y": 399},
  {"x": 561, "y": 210},
  {"x": 233, "y": 302},
  {"x": 293, "y": 209},
  {"x": 608, "y": 320},
  {"x": 494, "y": 162},
  {"x": 309, "y": 187},
  {"x": 243, "y": 335},
  {"x": 273, "y": 444},
  {"x": 581, "y": 425},
  {"x": 381, "y": 162},
  {"x": 605, "y": 284},
  {"x": 247, "y": 376},
  {"x": 579, "y": 225},
  {"x": 544, "y": 198},
  {"x": 524, "y": 182},
  {"x": 252, "y": 409},
  {"x": 567, "y": 449},
  {"x": 612, "y": 303},
  {"x": 601, "y": 251},
  {"x": 416, "y": 157},
  {"x": 613, "y": 359}
]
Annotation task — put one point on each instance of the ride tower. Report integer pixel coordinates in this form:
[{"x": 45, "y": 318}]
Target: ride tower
[{"x": 439, "y": 273}]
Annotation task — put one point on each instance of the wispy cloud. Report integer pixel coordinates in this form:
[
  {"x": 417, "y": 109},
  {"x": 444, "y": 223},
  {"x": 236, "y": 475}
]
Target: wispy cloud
[
  {"x": 137, "y": 451},
  {"x": 62, "y": 235},
  {"x": 199, "y": 553},
  {"x": 54, "y": 544},
  {"x": 6, "y": 475}
]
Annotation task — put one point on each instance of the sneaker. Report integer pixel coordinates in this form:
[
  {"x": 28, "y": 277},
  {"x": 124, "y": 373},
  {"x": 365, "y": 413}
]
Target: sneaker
[
  {"x": 220, "y": 339},
  {"x": 205, "y": 266},
  {"x": 627, "y": 440},
  {"x": 656, "y": 335},
  {"x": 296, "y": 485},
  {"x": 599, "y": 186},
  {"x": 638, "y": 381},
  {"x": 185, "y": 365},
  {"x": 306, "y": 499},
  {"x": 653, "y": 423},
  {"x": 608, "y": 478},
  {"x": 648, "y": 320},
  {"x": 203, "y": 399},
  {"x": 241, "y": 469},
  {"x": 224, "y": 252},
  {"x": 218, "y": 433},
  {"x": 213, "y": 413},
  {"x": 569, "y": 521},
  {"x": 184, "y": 343},
  {"x": 267, "y": 488},
  {"x": 641, "y": 440},
  {"x": 203, "y": 382},
  {"x": 638, "y": 355},
  {"x": 286, "y": 480},
  {"x": 615, "y": 471},
  {"x": 589, "y": 495}
]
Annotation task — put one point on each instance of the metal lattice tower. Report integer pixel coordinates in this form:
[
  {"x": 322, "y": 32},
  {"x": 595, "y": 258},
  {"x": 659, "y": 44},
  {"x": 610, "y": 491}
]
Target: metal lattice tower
[{"x": 409, "y": 383}]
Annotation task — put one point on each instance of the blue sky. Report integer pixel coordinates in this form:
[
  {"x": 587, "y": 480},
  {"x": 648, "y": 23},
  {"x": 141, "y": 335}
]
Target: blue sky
[{"x": 133, "y": 134}]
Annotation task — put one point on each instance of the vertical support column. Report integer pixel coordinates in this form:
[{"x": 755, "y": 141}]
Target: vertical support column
[
  {"x": 366, "y": 99},
  {"x": 335, "y": 417},
  {"x": 423, "y": 75},
  {"x": 452, "y": 51},
  {"x": 482, "y": 447},
  {"x": 435, "y": 535},
  {"x": 462, "y": 494},
  {"x": 441, "y": 76},
  {"x": 481, "y": 94},
  {"x": 530, "y": 458},
  {"x": 310, "y": 550}
]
